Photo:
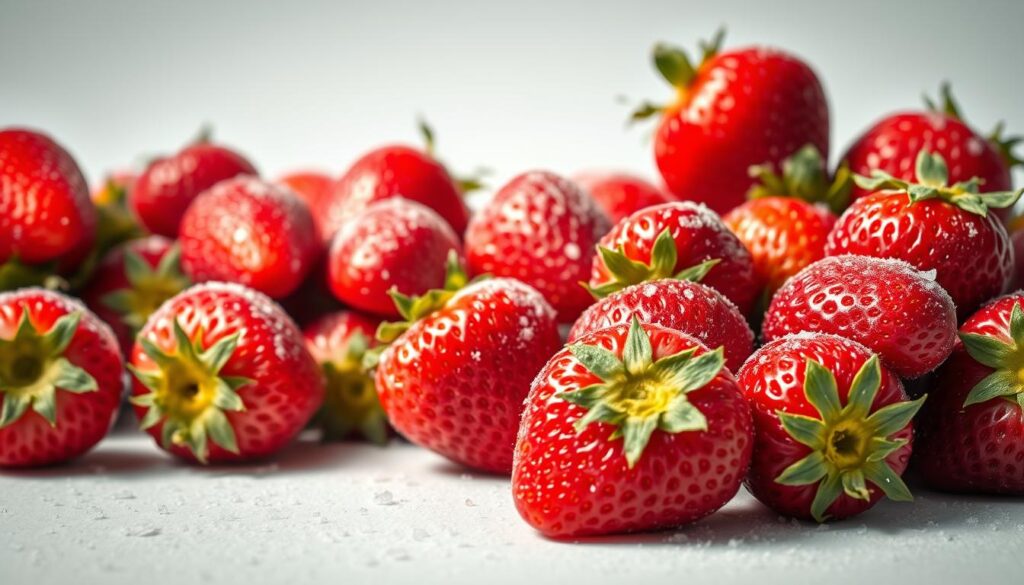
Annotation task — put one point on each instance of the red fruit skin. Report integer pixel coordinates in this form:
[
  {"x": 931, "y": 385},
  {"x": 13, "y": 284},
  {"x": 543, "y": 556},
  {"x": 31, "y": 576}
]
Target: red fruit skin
[
  {"x": 311, "y": 187},
  {"x": 394, "y": 243},
  {"x": 46, "y": 212},
  {"x": 773, "y": 380},
  {"x": 82, "y": 419},
  {"x": 783, "y": 235},
  {"x": 980, "y": 448},
  {"x": 110, "y": 276},
  {"x": 327, "y": 336},
  {"x": 621, "y": 194},
  {"x": 287, "y": 385},
  {"x": 689, "y": 307},
  {"x": 567, "y": 484},
  {"x": 541, "y": 229},
  {"x": 1017, "y": 241},
  {"x": 699, "y": 235},
  {"x": 456, "y": 380},
  {"x": 169, "y": 185},
  {"x": 893, "y": 309},
  {"x": 893, "y": 143},
  {"x": 970, "y": 254},
  {"x": 744, "y": 107},
  {"x": 392, "y": 171},
  {"x": 251, "y": 232},
  {"x": 121, "y": 179}
]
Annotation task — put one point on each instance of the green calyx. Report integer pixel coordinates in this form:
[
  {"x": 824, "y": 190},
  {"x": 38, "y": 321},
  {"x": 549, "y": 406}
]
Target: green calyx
[
  {"x": 626, "y": 272},
  {"x": 849, "y": 444},
  {"x": 804, "y": 176},
  {"x": 466, "y": 183},
  {"x": 676, "y": 67},
  {"x": 33, "y": 368},
  {"x": 350, "y": 402},
  {"x": 639, "y": 395},
  {"x": 15, "y": 274},
  {"x": 148, "y": 287},
  {"x": 1004, "y": 144},
  {"x": 1003, "y": 354},
  {"x": 189, "y": 395},
  {"x": 932, "y": 183}
]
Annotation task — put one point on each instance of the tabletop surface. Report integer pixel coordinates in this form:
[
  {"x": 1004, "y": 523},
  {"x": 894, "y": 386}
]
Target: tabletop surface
[{"x": 357, "y": 512}]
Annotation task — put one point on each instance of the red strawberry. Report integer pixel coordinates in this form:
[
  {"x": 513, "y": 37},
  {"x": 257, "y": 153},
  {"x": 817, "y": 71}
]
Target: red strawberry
[
  {"x": 310, "y": 186},
  {"x": 131, "y": 282},
  {"x": 734, "y": 109},
  {"x": 60, "y": 378},
  {"x": 45, "y": 210},
  {"x": 689, "y": 307},
  {"x": 833, "y": 430},
  {"x": 165, "y": 189},
  {"x": 680, "y": 240},
  {"x": 895, "y": 310},
  {"x": 541, "y": 229},
  {"x": 1017, "y": 241},
  {"x": 454, "y": 378},
  {"x": 222, "y": 374},
  {"x": 620, "y": 194},
  {"x": 685, "y": 434},
  {"x": 392, "y": 244},
  {"x": 338, "y": 342},
  {"x": 251, "y": 232},
  {"x": 893, "y": 143},
  {"x": 971, "y": 433},
  {"x": 933, "y": 227}
]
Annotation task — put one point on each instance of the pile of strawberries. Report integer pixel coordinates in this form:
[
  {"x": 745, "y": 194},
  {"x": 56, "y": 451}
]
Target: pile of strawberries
[{"x": 626, "y": 353}]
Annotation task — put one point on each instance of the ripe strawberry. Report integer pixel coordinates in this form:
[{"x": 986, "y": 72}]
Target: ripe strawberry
[
  {"x": 685, "y": 428},
  {"x": 46, "y": 214},
  {"x": 454, "y": 378},
  {"x": 251, "y": 232},
  {"x": 833, "y": 430},
  {"x": 734, "y": 109},
  {"x": 621, "y": 194},
  {"x": 60, "y": 378},
  {"x": 893, "y": 143},
  {"x": 675, "y": 240},
  {"x": 685, "y": 306},
  {"x": 933, "y": 227},
  {"x": 895, "y": 310},
  {"x": 168, "y": 186},
  {"x": 392, "y": 244},
  {"x": 338, "y": 342},
  {"x": 1017, "y": 242},
  {"x": 222, "y": 374},
  {"x": 131, "y": 282},
  {"x": 540, "y": 229},
  {"x": 311, "y": 186},
  {"x": 971, "y": 433}
]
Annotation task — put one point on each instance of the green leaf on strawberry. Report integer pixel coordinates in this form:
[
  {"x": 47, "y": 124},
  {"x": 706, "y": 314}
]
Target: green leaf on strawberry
[
  {"x": 626, "y": 272},
  {"x": 149, "y": 287},
  {"x": 804, "y": 176},
  {"x": 1004, "y": 354},
  {"x": 849, "y": 444}
]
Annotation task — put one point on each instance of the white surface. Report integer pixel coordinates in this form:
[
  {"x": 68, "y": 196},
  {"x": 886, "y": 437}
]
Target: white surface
[{"x": 357, "y": 514}]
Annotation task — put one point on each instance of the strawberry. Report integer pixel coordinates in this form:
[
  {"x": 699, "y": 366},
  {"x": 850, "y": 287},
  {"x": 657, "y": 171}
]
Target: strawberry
[
  {"x": 222, "y": 374},
  {"x": 621, "y": 194},
  {"x": 131, "y": 282},
  {"x": 395, "y": 171},
  {"x": 892, "y": 145},
  {"x": 690, "y": 307},
  {"x": 454, "y": 376},
  {"x": 685, "y": 431},
  {"x": 311, "y": 187},
  {"x": 46, "y": 214},
  {"x": 168, "y": 186},
  {"x": 833, "y": 430},
  {"x": 338, "y": 342},
  {"x": 1017, "y": 241},
  {"x": 60, "y": 378},
  {"x": 115, "y": 223},
  {"x": 541, "y": 229},
  {"x": 734, "y": 109},
  {"x": 675, "y": 240},
  {"x": 971, "y": 433},
  {"x": 895, "y": 310},
  {"x": 251, "y": 232},
  {"x": 933, "y": 226},
  {"x": 392, "y": 244}
]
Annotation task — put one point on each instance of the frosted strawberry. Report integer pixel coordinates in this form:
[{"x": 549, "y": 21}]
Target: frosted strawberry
[
  {"x": 621, "y": 194},
  {"x": 833, "y": 431}
]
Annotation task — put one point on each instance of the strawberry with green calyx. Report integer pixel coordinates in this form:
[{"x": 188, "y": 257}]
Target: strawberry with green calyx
[
  {"x": 833, "y": 427},
  {"x": 60, "y": 378},
  {"x": 626, "y": 272},
  {"x": 804, "y": 175}
]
